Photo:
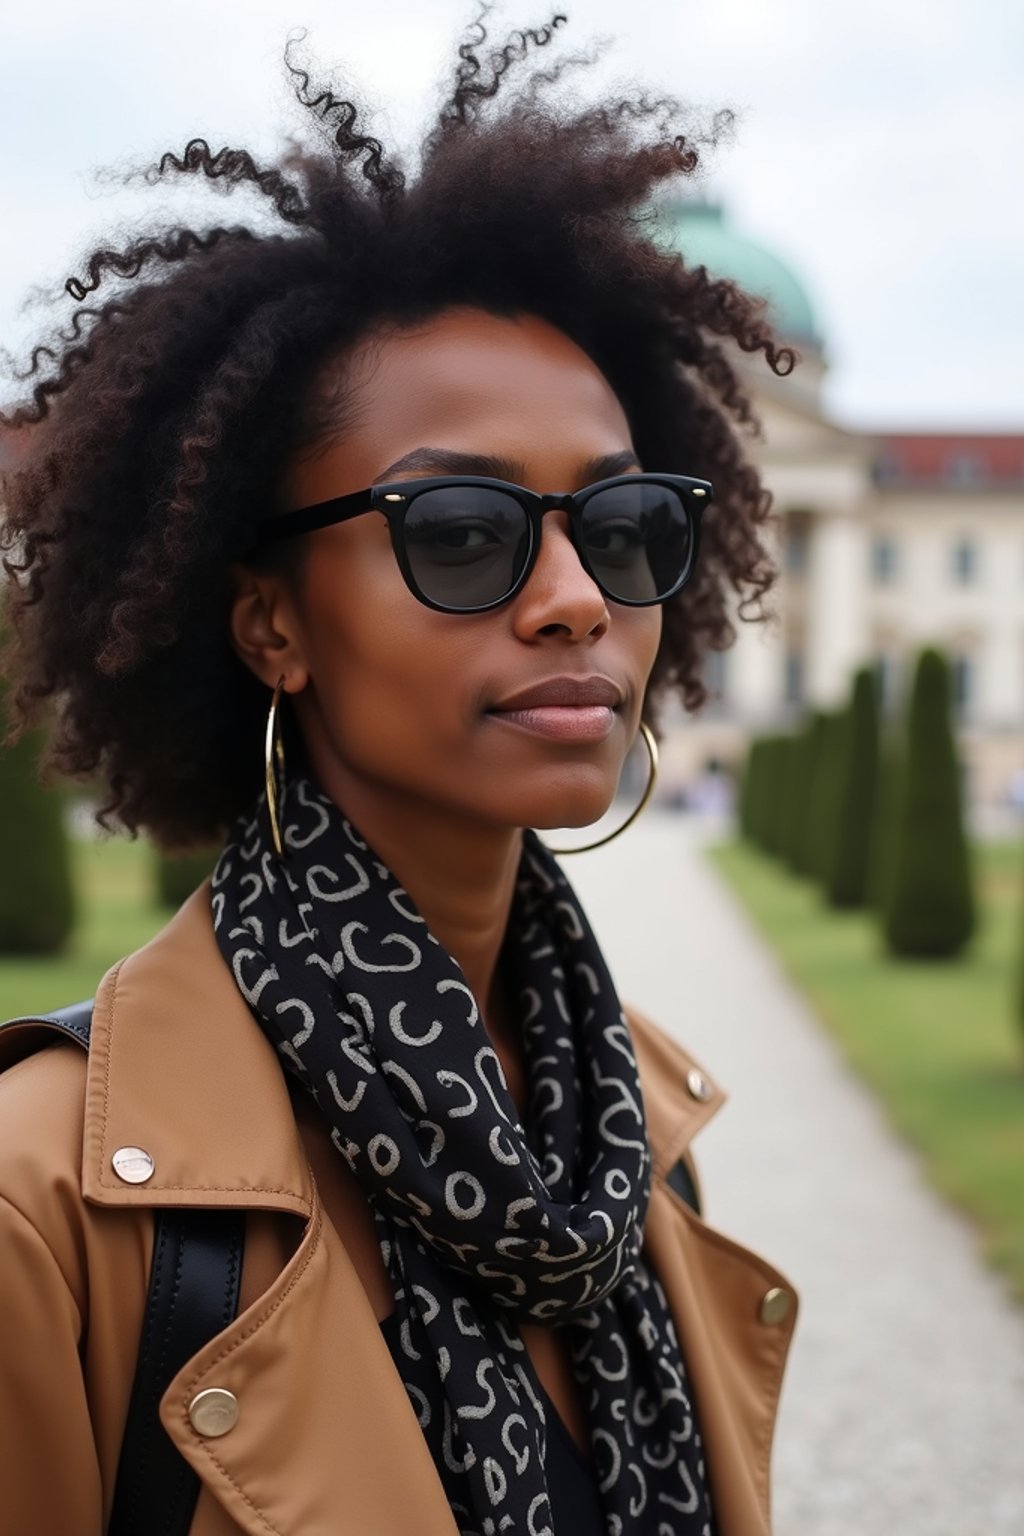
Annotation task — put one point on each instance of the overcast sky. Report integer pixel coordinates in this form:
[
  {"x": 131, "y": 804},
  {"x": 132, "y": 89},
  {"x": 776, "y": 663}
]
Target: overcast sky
[{"x": 878, "y": 151}]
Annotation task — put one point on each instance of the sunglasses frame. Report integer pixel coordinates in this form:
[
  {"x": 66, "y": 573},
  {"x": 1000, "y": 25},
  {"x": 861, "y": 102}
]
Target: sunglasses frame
[{"x": 393, "y": 500}]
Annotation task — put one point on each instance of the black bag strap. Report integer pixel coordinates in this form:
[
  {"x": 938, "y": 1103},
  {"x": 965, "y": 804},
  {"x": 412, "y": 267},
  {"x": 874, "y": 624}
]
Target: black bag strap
[
  {"x": 681, "y": 1180},
  {"x": 193, "y": 1294}
]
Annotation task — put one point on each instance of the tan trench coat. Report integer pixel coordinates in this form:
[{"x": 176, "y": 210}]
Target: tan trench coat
[{"x": 326, "y": 1443}]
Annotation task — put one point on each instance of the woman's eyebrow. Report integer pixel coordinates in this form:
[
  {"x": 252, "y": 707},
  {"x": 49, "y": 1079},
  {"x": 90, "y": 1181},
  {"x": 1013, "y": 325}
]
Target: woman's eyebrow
[
  {"x": 609, "y": 464},
  {"x": 449, "y": 461}
]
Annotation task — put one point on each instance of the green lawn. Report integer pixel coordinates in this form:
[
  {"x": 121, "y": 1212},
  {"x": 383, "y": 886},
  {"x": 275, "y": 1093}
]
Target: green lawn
[
  {"x": 936, "y": 1041},
  {"x": 117, "y": 913}
]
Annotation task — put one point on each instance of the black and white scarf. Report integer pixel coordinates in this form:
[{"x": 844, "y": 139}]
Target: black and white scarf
[{"x": 482, "y": 1222}]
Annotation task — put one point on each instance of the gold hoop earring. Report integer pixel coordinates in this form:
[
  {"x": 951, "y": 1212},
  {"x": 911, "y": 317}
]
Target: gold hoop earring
[
  {"x": 273, "y": 762},
  {"x": 652, "y": 778}
]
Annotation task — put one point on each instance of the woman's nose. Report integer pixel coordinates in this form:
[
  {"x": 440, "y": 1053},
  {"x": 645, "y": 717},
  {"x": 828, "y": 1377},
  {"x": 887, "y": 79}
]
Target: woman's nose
[{"x": 559, "y": 596}]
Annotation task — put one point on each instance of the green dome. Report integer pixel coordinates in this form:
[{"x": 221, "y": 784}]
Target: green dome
[{"x": 702, "y": 236}]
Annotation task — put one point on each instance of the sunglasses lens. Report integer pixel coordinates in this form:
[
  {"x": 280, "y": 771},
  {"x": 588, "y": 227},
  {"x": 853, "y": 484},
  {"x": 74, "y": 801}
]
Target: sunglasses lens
[
  {"x": 466, "y": 545},
  {"x": 638, "y": 540}
]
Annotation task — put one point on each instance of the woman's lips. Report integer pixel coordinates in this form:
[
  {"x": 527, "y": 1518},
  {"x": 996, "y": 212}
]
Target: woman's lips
[
  {"x": 563, "y": 708},
  {"x": 561, "y": 722}
]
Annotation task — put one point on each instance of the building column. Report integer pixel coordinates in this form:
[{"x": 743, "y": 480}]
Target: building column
[
  {"x": 837, "y": 610},
  {"x": 753, "y": 689}
]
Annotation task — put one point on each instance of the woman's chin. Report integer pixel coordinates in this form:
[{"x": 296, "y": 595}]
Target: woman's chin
[
  {"x": 573, "y": 811},
  {"x": 574, "y": 799}
]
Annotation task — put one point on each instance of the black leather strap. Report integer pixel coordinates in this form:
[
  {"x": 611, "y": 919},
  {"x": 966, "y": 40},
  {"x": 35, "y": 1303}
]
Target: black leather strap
[
  {"x": 193, "y": 1294},
  {"x": 30, "y": 1032},
  {"x": 74, "y": 1020},
  {"x": 680, "y": 1179}
]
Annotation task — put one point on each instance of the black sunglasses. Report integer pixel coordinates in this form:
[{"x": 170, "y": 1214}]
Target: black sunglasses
[{"x": 465, "y": 544}]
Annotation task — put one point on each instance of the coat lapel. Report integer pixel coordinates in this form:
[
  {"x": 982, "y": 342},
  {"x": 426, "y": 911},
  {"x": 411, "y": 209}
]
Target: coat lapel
[{"x": 326, "y": 1441}]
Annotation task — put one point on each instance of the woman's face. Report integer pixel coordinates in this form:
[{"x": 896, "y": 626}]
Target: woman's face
[{"x": 406, "y": 709}]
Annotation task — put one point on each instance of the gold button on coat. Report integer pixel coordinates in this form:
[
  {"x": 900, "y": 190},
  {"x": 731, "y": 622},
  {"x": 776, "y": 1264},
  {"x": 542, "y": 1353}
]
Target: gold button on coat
[
  {"x": 133, "y": 1165},
  {"x": 698, "y": 1085},
  {"x": 775, "y": 1305},
  {"x": 213, "y": 1412}
]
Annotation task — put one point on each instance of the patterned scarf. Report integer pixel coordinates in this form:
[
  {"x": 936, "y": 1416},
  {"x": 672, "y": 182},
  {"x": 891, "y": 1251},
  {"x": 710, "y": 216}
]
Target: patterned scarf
[{"x": 482, "y": 1222}]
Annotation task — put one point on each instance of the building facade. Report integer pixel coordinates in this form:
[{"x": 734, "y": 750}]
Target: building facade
[{"x": 886, "y": 542}]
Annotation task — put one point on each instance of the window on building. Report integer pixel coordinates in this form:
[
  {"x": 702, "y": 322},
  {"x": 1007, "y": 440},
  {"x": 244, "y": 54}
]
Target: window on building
[
  {"x": 964, "y": 469},
  {"x": 965, "y": 562},
  {"x": 883, "y": 559},
  {"x": 888, "y": 467},
  {"x": 793, "y": 685}
]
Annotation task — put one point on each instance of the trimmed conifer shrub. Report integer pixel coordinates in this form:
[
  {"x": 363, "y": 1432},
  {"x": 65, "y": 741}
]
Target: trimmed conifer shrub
[
  {"x": 772, "y": 769},
  {"x": 37, "y": 902},
  {"x": 756, "y": 792},
  {"x": 857, "y": 768},
  {"x": 883, "y": 827},
  {"x": 823, "y": 801},
  {"x": 793, "y": 794},
  {"x": 929, "y": 908},
  {"x": 783, "y": 749},
  {"x": 766, "y": 791},
  {"x": 745, "y": 799},
  {"x": 804, "y": 848}
]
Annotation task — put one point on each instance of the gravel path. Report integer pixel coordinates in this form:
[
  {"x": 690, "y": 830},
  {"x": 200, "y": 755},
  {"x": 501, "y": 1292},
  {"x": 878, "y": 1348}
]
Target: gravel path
[{"x": 903, "y": 1408}]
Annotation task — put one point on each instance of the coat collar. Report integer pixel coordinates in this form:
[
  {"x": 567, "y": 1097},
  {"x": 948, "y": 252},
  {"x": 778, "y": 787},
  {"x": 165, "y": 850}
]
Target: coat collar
[{"x": 179, "y": 1069}]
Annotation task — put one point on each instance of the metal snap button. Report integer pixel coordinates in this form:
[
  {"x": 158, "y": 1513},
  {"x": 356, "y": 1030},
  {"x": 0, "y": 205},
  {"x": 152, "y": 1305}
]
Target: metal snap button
[
  {"x": 213, "y": 1412},
  {"x": 698, "y": 1085},
  {"x": 133, "y": 1164},
  {"x": 775, "y": 1305}
]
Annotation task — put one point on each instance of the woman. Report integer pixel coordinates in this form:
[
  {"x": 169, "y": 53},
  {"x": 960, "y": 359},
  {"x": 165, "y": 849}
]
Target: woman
[{"x": 365, "y": 543}]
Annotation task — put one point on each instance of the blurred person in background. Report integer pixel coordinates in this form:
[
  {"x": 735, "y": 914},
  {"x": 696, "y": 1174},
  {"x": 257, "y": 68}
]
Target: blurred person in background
[{"x": 364, "y": 541}]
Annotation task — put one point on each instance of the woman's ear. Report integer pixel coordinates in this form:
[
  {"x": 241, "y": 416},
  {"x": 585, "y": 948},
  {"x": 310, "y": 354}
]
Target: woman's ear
[{"x": 264, "y": 628}]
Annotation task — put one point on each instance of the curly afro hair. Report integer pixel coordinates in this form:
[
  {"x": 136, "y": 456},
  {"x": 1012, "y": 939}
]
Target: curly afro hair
[{"x": 157, "y": 420}]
